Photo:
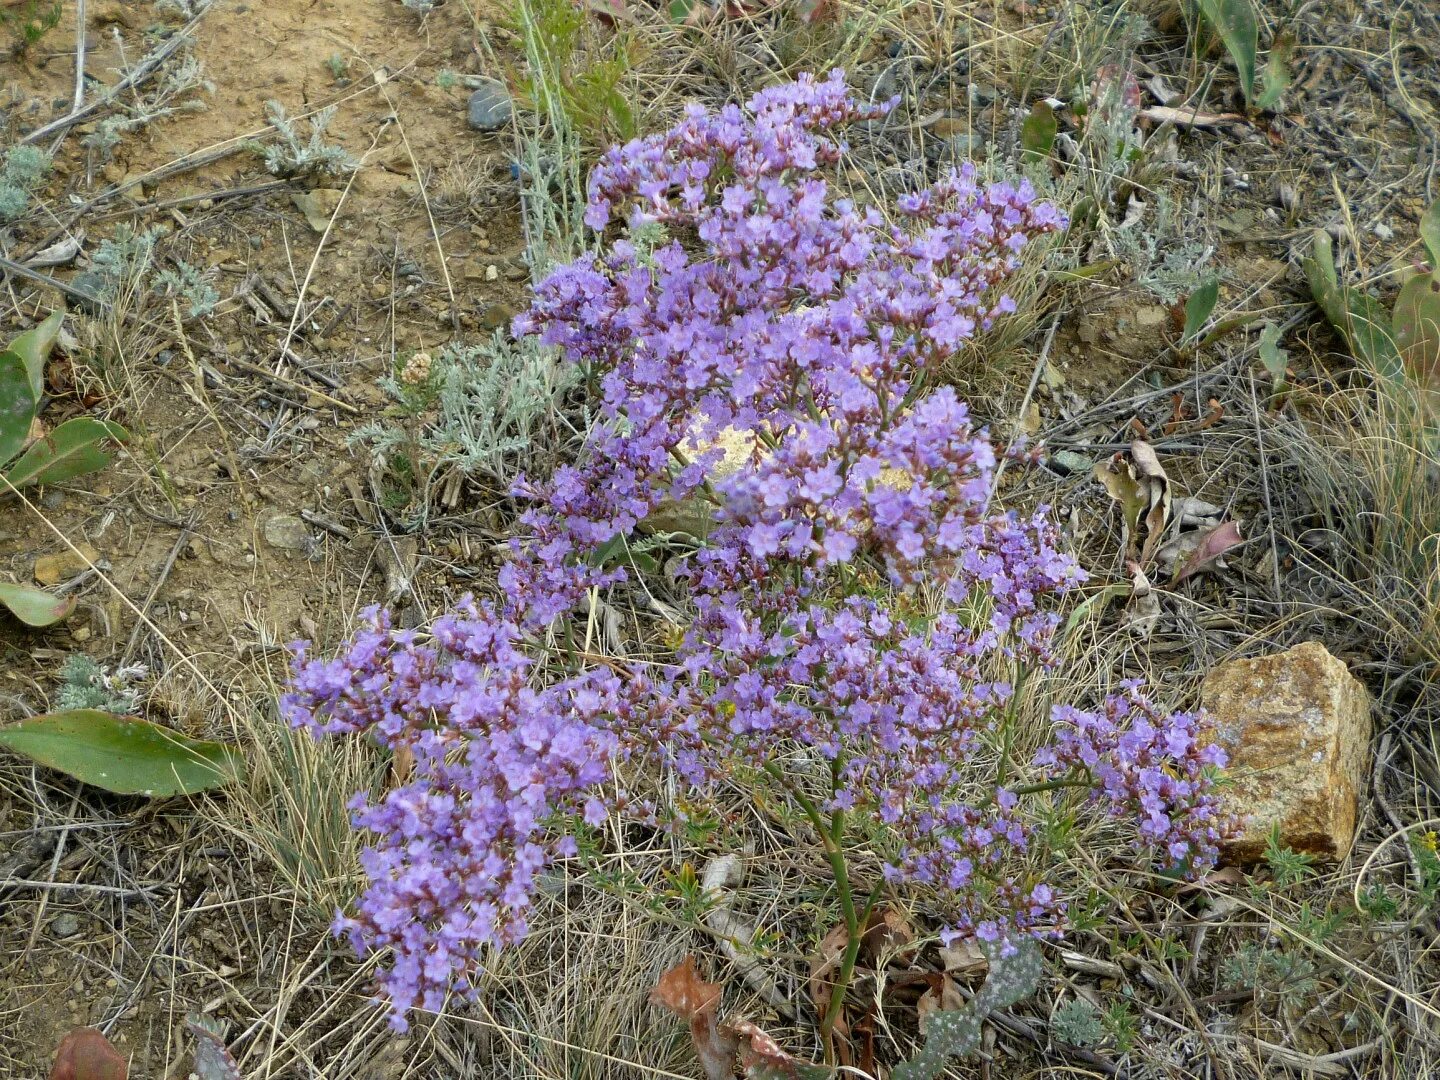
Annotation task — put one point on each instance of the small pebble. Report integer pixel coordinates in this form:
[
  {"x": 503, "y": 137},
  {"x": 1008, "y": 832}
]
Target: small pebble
[
  {"x": 489, "y": 107},
  {"x": 65, "y": 926},
  {"x": 286, "y": 532}
]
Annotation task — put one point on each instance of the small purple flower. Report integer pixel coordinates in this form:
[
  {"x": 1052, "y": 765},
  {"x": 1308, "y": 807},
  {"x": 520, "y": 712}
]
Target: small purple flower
[{"x": 811, "y": 326}]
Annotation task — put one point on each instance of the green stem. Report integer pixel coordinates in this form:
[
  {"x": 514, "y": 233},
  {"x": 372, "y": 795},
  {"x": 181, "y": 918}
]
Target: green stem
[
  {"x": 854, "y": 929},
  {"x": 1011, "y": 709},
  {"x": 1036, "y": 789}
]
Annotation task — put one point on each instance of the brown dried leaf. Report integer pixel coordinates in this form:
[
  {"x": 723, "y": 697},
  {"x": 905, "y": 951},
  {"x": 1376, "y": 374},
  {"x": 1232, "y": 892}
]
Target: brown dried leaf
[
  {"x": 761, "y": 1057},
  {"x": 887, "y": 932},
  {"x": 692, "y": 999},
  {"x": 942, "y": 996},
  {"x": 1137, "y": 482},
  {"x": 85, "y": 1054},
  {"x": 1212, "y": 544},
  {"x": 964, "y": 958},
  {"x": 1144, "y": 610}
]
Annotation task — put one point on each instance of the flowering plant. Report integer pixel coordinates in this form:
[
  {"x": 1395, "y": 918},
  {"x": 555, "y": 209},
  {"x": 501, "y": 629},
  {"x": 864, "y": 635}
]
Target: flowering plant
[{"x": 814, "y": 328}]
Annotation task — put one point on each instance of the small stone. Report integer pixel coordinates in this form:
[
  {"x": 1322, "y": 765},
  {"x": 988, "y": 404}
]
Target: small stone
[
  {"x": 1068, "y": 461},
  {"x": 1296, "y": 726},
  {"x": 64, "y": 926},
  {"x": 1150, "y": 315},
  {"x": 318, "y": 206},
  {"x": 64, "y": 565},
  {"x": 489, "y": 107},
  {"x": 492, "y": 273},
  {"x": 497, "y": 316},
  {"x": 286, "y": 532}
]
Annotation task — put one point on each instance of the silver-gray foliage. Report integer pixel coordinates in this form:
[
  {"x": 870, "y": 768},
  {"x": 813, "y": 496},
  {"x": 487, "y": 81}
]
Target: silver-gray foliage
[
  {"x": 84, "y": 684},
  {"x": 1078, "y": 1023},
  {"x": 495, "y": 404},
  {"x": 292, "y": 154},
  {"x": 24, "y": 168}
]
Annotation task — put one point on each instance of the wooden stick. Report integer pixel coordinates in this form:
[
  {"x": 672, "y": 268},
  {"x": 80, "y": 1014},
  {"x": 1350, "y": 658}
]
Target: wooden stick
[{"x": 147, "y": 66}]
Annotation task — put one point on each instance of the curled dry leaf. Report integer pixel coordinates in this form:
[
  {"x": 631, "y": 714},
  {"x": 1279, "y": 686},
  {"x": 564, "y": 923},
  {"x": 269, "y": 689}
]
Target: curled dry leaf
[
  {"x": 1165, "y": 114},
  {"x": 85, "y": 1054},
  {"x": 761, "y": 1057},
  {"x": 719, "y": 1046},
  {"x": 1189, "y": 510},
  {"x": 964, "y": 958},
  {"x": 1209, "y": 547},
  {"x": 1138, "y": 482},
  {"x": 1143, "y": 611},
  {"x": 887, "y": 933},
  {"x": 721, "y": 874},
  {"x": 697, "y": 1002},
  {"x": 943, "y": 995}
]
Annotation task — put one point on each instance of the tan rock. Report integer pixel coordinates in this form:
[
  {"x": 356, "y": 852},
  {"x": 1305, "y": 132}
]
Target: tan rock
[
  {"x": 1297, "y": 728},
  {"x": 64, "y": 565}
]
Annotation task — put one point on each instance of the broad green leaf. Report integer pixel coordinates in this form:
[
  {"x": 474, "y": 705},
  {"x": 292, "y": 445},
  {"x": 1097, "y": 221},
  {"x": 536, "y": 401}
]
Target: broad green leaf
[
  {"x": 1199, "y": 308},
  {"x": 680, "y": 9},
  {"x": 17, "y": 405},
  {"x": 1234, "y": 21},
  {"x": 1037, "y": 133},
  {"x": 73, "y": 449},
  {"x": 34, "y": 347},
  {"x": 1430, "y": 235},
  {"x": 125, "y": 755},
  {"x": 35, "y": 607},
  {"x": 1417, "y": 326}
]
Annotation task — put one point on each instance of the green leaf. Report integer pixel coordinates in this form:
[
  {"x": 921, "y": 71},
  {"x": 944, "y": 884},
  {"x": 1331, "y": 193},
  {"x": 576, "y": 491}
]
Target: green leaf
[
  {"x": 1430, "y": 235},
  {"x": 1357, "y": 316},
  {"x": 1037, "y": 133},
  {"x": 1199, "y": 308},
  {"x": 1275, "y": 359},
  {"x": 1234, "y": 21},
  {"x": 680, "y": 9},
  {"x": 125, "y": 755},
  {"x": 73, "y": 449},
  {"x": 1417, "y": 326},
  {"x": 35, "y": 607},
  {"x": 34, "y": 347},
  {"x": 1277, "y": 72},
  {"x": 17, "y": 405}
]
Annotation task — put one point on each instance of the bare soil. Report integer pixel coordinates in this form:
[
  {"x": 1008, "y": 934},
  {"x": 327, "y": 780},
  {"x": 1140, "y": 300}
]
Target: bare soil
[{"x": 129, "y": 915}]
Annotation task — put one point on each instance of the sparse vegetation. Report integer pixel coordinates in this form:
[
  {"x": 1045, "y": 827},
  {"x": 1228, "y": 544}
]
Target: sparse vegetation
[
  {"x": 292, "y": 154},
  {"x": 356, "y": 423},
  {"x": 24, "y": 169}
]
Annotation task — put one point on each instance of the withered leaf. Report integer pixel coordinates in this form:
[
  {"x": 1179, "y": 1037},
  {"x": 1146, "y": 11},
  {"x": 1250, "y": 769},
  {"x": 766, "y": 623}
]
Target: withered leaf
[
  {"x": 85, "y": 1054},
  {"x": 762, "y": 1058},
  {"x": 1211, "y": 545},
  {"x": 1143, "y": 611},
  {"x": 1137, "y": 481},
  {"x": 943, "y": 995},
  {"x": 697, "y": 1002}
]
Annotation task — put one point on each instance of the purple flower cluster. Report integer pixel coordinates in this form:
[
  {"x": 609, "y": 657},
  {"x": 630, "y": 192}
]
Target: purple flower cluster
[
  {"x": 1148, "y": 767},
  {"x": 816, "y": 327}
]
